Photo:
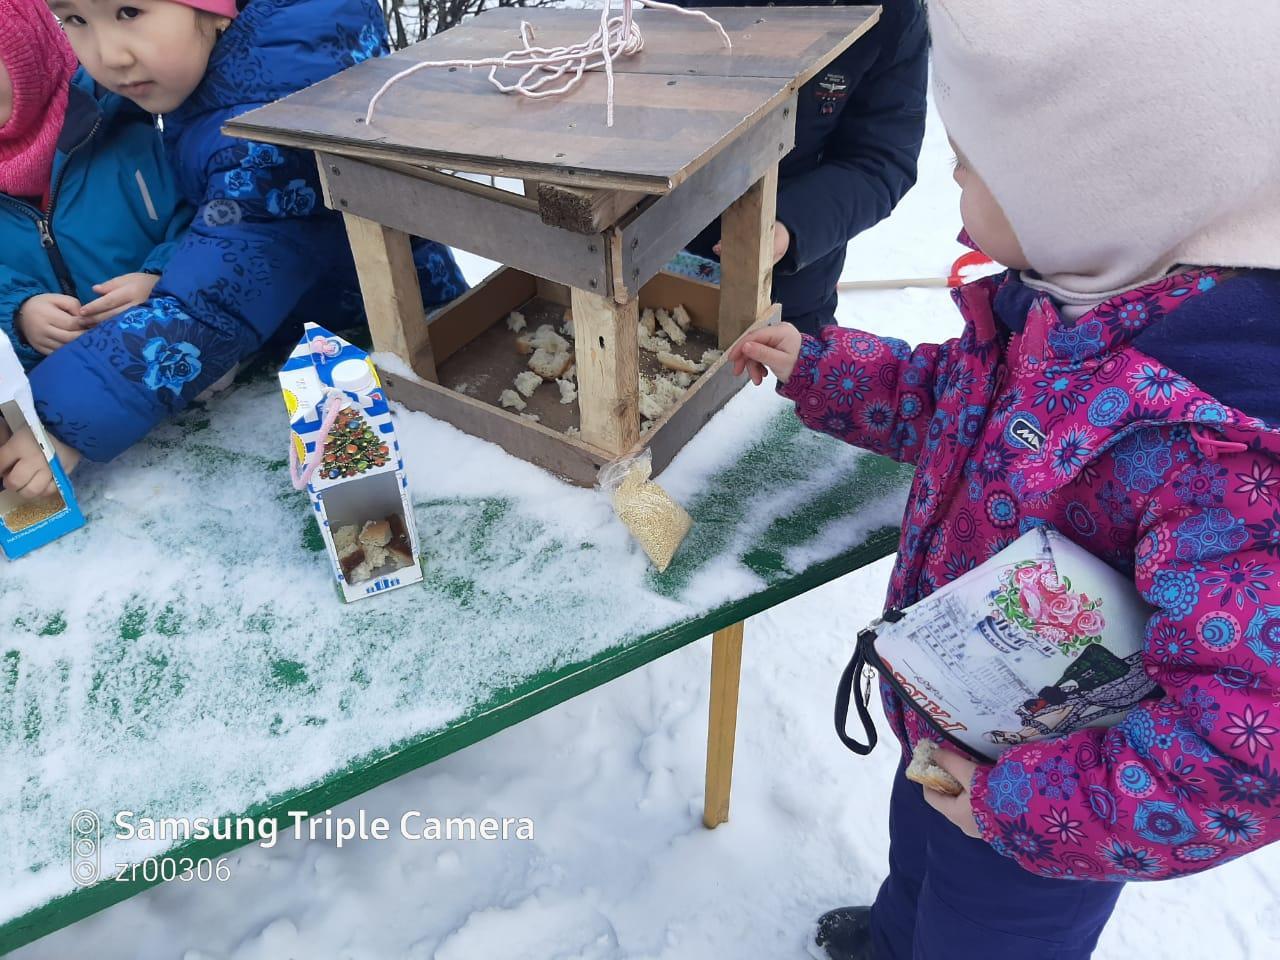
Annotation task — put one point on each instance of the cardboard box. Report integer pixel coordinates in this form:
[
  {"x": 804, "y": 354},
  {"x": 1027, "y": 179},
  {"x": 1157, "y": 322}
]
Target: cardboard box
[
  {"x": 366, "y": 484},
  {"x": 26, "y": 525}
]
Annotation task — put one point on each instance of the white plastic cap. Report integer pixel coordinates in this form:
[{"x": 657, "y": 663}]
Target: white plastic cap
[{"x": 354, "y": 376}]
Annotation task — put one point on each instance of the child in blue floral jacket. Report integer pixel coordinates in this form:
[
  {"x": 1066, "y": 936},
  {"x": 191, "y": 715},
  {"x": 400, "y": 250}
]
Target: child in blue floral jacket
[{"x": 262, "y": 251}]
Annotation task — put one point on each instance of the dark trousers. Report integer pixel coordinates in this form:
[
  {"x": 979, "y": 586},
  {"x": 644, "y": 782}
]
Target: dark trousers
[{"x": 951, "y": 897}]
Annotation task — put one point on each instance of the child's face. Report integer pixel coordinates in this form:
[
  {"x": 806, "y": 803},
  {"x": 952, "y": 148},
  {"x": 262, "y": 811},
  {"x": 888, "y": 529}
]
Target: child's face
[
  {"x": 152, "y": 51},
  {"x": 983, "y": 219},
  {"x": 6, "y": 95}
]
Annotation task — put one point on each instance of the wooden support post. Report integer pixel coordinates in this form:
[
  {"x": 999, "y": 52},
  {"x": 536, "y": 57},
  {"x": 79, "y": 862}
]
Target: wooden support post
[
  {"x": 746, "y": 257},
  {"x": 607, "y": 351},
  {"x": 392, "y": 298},
  {"x": 726, "y": 670}
]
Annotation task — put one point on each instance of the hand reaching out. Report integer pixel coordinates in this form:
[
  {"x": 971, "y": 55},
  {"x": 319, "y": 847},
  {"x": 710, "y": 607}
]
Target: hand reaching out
[
  {"x": 118, "y": 295},
  {"x": 776, "y": 348}
]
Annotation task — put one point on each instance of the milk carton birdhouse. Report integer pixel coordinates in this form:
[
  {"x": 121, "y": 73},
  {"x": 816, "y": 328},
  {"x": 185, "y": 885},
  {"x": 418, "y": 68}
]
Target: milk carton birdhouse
[
  {"x": 28, "y": 524},
  {"x": 344, "y": 450}
]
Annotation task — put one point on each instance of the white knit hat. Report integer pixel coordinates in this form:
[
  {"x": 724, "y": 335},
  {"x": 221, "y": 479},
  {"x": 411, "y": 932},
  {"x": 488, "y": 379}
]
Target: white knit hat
[{"x": 1120, "y": 137}]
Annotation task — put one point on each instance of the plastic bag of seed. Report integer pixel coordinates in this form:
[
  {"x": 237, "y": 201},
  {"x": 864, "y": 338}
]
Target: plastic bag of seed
[{"x": 654, "y": 519}]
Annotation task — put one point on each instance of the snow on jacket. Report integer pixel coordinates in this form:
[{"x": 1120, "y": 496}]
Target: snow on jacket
[
  {"x": 114, "y": 209},
  {"x": 261, "y": 251},
  {"x": 1033, "y": 420},
  {"x": 859, "y": 126}
]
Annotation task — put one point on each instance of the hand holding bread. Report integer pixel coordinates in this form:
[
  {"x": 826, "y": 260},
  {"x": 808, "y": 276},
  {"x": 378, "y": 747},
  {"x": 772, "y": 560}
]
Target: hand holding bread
[{"x": 946, "y": 777}]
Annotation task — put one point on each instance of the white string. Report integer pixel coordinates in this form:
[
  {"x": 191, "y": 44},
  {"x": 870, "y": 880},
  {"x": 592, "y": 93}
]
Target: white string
[{"x": 615, "y": 37}]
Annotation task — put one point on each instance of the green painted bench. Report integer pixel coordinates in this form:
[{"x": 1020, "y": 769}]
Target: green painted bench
[{"x": 187, "y": 655}]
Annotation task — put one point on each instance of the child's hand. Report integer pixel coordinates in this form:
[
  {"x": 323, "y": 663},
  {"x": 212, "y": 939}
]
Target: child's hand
[
  {"x": 776, "y": 347},
  {"x": 959, "y": 810},
  {"x": 23, "y": 467},
  {"x": 118, "y": 295},
  {"x": 50, "y": 321}
]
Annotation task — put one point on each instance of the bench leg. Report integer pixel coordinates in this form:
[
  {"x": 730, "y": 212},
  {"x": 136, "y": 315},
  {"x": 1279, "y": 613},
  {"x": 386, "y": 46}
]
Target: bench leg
[{"x": 726, "y": 670}]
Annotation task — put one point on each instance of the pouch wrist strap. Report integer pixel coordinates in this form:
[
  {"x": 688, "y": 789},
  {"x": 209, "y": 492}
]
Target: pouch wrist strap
[{"x": 849, "y": 688}]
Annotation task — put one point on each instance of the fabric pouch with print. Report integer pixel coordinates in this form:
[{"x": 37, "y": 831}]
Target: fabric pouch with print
[{"x": 1041, "y": 640}]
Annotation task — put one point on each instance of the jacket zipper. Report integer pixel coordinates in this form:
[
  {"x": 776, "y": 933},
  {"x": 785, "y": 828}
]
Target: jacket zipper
[{"x": 44, "y": 223}]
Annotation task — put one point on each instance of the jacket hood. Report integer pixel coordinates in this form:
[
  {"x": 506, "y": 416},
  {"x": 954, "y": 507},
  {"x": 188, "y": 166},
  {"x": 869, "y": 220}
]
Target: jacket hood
[{"x": 278, "y": 47}]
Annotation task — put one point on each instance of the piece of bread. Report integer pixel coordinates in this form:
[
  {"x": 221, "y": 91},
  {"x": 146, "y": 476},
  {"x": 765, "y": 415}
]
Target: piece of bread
[
  {"x": 651, "y": 407},
  {"x": 550, "y": 365},
  {"x": 509, "y": 398},
  {"x": 926, "y": 772},
  {"x": 648, "y": 321},
  {"x": 673, "y": 362},
  {"x": 527, "y": 382},
  {"x": 670, "y": 327},
  {"x": 515, "y": 321},
  {"x": 399, "y": 549},
  {"x": 681, "y": 316},
  {"x": 568, "y": 391},
  {"x": 376, "y": 533},
  {"x": 711, "y": 356},
  {"x": 544, "y": 338},
  {"x": 345, "y": 536}
]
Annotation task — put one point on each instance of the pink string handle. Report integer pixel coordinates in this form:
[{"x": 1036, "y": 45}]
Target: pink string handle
[
  {"x": 1211, "y": 447},
  {"x": 615, "y": 37},
  {"x": 336, "y": 400}
]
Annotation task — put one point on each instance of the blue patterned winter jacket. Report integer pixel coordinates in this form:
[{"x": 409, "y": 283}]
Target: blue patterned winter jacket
[
  {"x": 263, "y": 252},
  {"x": 114, "y": 209}
]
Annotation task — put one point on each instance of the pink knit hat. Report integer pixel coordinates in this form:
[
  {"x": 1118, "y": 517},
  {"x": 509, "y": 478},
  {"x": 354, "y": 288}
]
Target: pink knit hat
[
  {"x": 223, "y": 8},
  {"x": 40, "y": 64}
]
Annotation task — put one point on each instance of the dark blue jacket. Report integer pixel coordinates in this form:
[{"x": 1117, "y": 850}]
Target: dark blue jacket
[
  {"x": 859, "y": 126},
  {"x": 262, "y": 251},
  {"x": 114, "y": 209}
]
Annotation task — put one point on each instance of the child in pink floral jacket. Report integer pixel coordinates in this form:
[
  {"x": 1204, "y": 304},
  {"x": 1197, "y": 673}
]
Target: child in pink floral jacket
[{"x": 1109, "y": 390}]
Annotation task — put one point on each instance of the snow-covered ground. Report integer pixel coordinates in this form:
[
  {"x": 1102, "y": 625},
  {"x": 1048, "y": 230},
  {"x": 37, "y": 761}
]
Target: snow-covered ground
[{"x": 621, "y": 866}]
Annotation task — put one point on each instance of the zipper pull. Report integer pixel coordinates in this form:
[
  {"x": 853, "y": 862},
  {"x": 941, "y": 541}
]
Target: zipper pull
[{"x": 46, "y": 235}]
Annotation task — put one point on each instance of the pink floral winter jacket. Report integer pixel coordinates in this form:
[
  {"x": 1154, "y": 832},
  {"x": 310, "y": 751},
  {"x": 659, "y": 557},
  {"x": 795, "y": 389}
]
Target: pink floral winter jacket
[{"x": 1071, "y": 425}]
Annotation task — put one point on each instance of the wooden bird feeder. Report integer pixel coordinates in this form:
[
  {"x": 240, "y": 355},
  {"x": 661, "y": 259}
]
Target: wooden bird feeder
[{"x": 698, "y": 133}]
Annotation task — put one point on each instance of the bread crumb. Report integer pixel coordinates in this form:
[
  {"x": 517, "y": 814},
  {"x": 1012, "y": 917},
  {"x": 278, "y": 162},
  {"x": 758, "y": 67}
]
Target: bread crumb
[
  {"x": 568, "y": 391},
  {"x": 344, "y": 537},
  {"x": 670, "y": 327},
  {"x": 509, "y": 398},
  {"x": 673, "y": 362},
  {"x": 683, "y": 379},
  {"x": 711, "y": 356},
  {"x": 550, "y": 365},
  {"x": 516, "y": 321},
  {"x": 544, "y": 338},
  {"x": 527, "y": 381},
  {"x": 530, "y": 416},
  {"x": 571, "y": 431},
  {"x": 658, "y": 344},
  {"x": 375, "y": 533},
  {"x": 651, "y": 407}
]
